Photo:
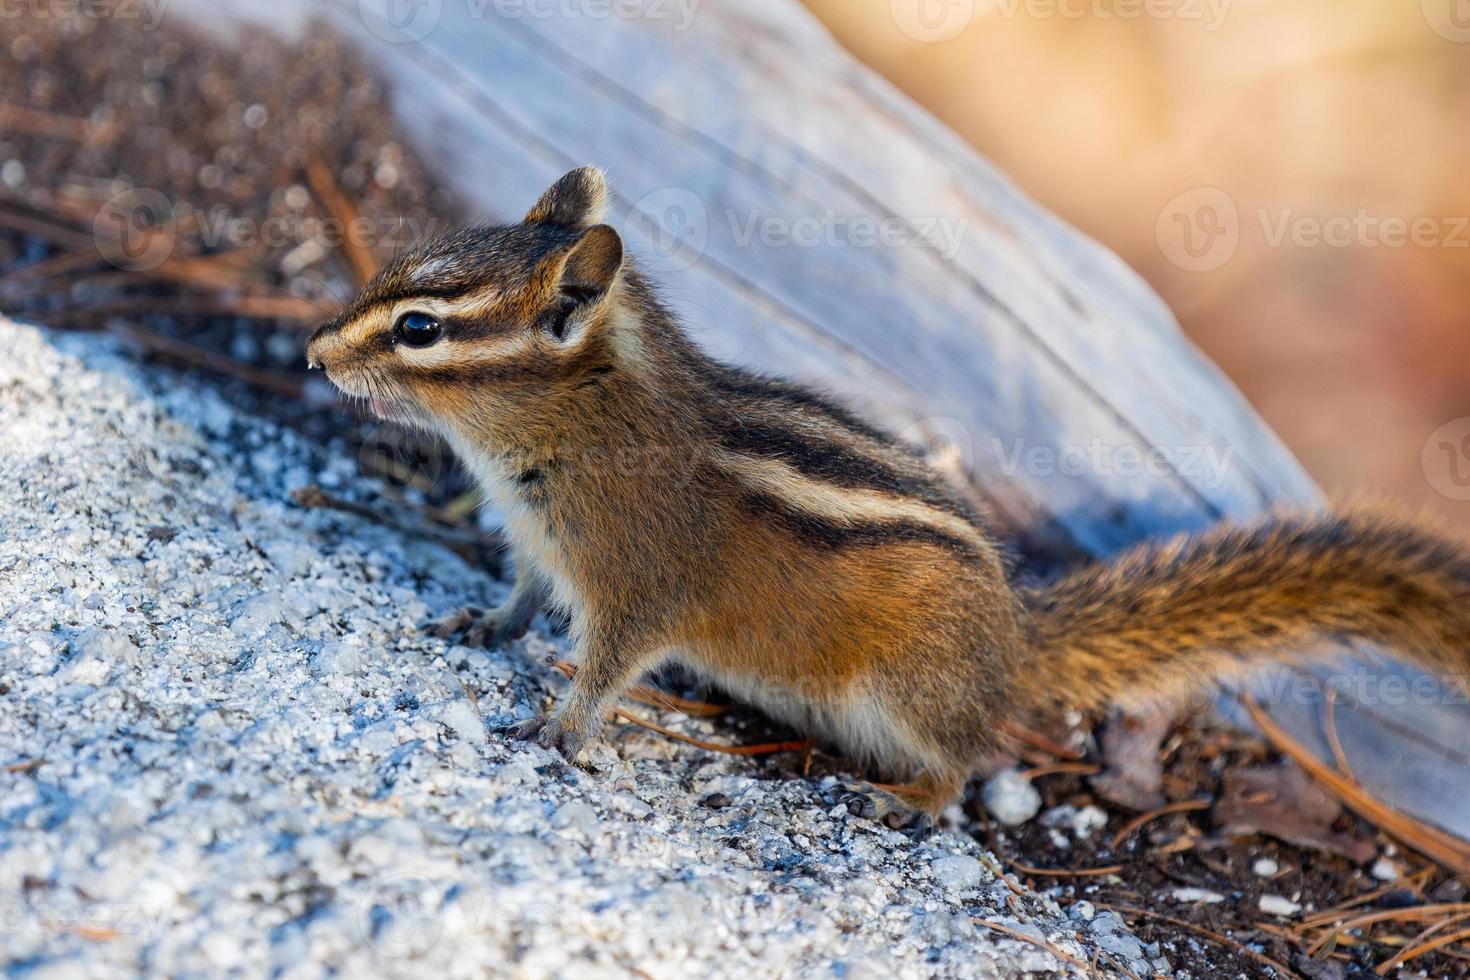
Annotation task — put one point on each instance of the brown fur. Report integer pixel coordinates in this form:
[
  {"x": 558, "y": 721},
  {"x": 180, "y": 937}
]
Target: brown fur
[{"x": 770, "y": 540}]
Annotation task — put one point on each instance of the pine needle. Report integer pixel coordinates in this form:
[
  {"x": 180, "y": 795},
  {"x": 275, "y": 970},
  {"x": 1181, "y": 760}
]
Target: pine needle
[
  {"x": 1051, "y": 948},
  {"x": 1436, "y": 844},
  {"x": 1182, "y": 806},
  {"x": 1026, "y": 869},
  {"x": 360, "y": 257},
  {"x": 669, "y": 702},
  {"x": 1209, "y": 934}
]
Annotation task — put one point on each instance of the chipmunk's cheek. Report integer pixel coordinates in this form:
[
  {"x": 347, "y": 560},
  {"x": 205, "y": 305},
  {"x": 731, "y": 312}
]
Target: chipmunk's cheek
[{"x": 442, "y": 402}]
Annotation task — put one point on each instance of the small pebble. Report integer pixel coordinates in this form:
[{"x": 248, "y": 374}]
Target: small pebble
[
  {"x": 1083, "y": 822},
  {"x": 461, "y": 716},
  {"x": 575, "y": 816},
  {"x": 1385, "y": 870},
  {"x": 12, "y": 174},
  {"x": 1010, "y": 798},
  {"x": 1400, "y": 898},
  {"x": 1197, "y": 896},
  {"x": 1265, "y": 867},
  {"x": 1453, "y": 890},
  {"x": 1277, "y": 905}
]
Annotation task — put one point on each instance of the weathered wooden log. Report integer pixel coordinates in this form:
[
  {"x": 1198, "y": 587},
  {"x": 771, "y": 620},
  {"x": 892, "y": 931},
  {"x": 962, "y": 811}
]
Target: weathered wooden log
[{"x": 811, "y": 221}]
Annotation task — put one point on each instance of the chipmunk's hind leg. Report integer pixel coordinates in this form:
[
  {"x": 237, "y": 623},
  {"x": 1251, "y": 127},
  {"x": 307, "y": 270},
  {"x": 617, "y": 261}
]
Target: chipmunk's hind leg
[{"x": 909, "y": 807}]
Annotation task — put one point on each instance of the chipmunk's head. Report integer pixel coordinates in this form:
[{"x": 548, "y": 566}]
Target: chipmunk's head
[{"x": 490, "y": 322}]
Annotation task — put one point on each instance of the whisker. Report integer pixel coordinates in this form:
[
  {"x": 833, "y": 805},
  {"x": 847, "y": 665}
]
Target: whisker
[
  {"x": 330, "y": 291},
  {"x": 398, "y": 232},
  {"x": 325, "y": 311}
]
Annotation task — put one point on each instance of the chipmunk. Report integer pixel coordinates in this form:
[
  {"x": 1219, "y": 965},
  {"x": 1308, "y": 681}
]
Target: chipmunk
[{"x": 677, "y": 507}]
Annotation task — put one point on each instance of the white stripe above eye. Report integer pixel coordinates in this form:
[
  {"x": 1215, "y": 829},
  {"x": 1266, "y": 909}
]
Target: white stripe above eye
[
  {"x": 470, "y": 304},
  {"x": 843, "y": 505}
]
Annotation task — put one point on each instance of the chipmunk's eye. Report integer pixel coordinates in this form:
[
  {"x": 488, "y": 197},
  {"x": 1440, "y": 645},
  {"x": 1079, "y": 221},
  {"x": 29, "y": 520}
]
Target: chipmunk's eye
[{"x": 417, "y": 329}]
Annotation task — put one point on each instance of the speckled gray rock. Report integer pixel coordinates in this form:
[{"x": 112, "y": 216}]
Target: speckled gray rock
[{"x": 225, "y": 748}]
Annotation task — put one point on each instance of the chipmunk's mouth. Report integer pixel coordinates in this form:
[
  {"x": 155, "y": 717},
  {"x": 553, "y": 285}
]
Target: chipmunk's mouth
[
  {"x": 387, "y": 410},
  {"x": 384, "y": 407}
]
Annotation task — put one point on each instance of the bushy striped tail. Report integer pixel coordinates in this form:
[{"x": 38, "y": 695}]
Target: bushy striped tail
[{"x": 1167, "y": 620}]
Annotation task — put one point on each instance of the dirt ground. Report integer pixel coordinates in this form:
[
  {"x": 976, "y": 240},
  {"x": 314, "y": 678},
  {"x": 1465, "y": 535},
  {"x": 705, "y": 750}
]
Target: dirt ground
[
  {"x": 1220, "y": 903},
  {"x": 1188, "y": 866}
]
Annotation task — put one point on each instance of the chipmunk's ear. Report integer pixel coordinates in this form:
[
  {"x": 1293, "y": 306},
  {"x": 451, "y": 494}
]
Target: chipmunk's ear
[
  {"x": 578, "y": 200},
  {"x": 592, "y": 264},
  {"x": 577, "y": 277}
]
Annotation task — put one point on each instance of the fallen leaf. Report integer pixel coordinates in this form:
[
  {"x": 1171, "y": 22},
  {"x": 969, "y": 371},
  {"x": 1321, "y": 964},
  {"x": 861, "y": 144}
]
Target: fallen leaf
[
  {"x": 1283, "y": 802},
  {"x": 1131, "y": 751}
]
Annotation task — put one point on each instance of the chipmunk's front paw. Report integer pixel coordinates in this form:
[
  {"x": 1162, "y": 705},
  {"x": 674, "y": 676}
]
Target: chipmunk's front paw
[
  {"x": 526, "y": 731},
  {"x": 551, "y": 733},
  {"x": 916, "y": 826},
  {"x": 871, "y": 803},
  {"x": 452, "y": 624},
  {"x": 480, "y": 628},
  {"x": 859, "y": 800}
]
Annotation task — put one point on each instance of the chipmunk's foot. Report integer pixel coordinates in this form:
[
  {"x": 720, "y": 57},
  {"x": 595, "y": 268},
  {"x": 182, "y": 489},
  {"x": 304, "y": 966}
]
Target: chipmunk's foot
[
  {"x": 476, "y": 627},
  {"x": 860, "y": 800},
  {"x": 550, "y": 733},
  {"x": 567, "y": 741},
  {"x": 916, "y": 827},
  {"x": 872, "y": 803},
  {"x": 525, "y": 731}
]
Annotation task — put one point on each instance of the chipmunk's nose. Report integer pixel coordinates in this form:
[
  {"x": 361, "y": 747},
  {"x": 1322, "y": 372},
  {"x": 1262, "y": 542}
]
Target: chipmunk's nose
[
  {"x": 313, "y": 356},
  {"x": 315, "y": 346}
]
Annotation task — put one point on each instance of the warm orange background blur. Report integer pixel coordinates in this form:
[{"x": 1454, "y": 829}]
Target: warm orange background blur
[{"x": 1294, "y": 178}]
